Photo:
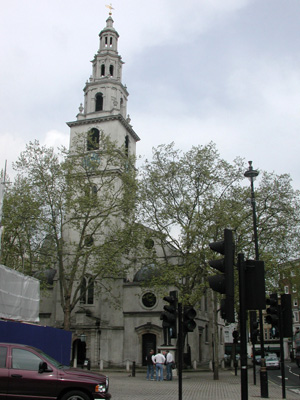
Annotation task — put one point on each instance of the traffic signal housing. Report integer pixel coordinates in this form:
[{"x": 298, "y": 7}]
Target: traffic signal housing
[
  {"x": 169, "y": 315},
  {"x": 224, "y": 282},
  {"x": 287, "y": 315},
  {"x": 235, "y": 335},
  {"x": 255, "y": 297},
  {"x": 254, "y": 325},
  {"x": 272, "y": 317},
  {"x": 189, "y": 315}
]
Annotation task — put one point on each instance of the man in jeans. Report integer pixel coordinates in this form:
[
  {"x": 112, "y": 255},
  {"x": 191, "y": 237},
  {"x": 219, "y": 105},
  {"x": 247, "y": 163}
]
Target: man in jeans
[
  {"x": 159, "y": 360},
  {"x": 169, "y": 363},
  {"x": 150, "y": 367}
]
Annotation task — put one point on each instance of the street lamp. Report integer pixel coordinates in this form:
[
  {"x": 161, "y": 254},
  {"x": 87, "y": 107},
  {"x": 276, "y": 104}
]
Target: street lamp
[{"x": 251, "y": 174}]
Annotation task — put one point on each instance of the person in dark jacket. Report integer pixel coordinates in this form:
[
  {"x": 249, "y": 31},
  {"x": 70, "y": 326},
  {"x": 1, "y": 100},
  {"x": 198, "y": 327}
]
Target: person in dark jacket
[{"x": 150, "y": 366}]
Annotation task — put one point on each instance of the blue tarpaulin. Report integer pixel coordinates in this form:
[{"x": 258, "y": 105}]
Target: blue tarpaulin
[{"x": 55, "y": 342}]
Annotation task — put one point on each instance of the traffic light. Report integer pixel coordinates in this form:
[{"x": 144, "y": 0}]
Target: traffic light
[
  {"x": 254, "y": 324},
  {"x": 255, "y": 296},
  {"x": 169, "y": 316},
  {"x": 224, "y": 282},
  {"x": 188, "y": 319},
  {"x": 272, "y": 317},
  {"x": 287, "y": 315},
  {"x": 235, "y": 335}
]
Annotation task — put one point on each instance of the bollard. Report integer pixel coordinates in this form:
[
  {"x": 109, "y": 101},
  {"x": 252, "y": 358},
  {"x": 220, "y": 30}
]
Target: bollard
[
  {"x": 264, "y": 381},
  {"x": 235, "y": 367},
  {"x": 133, "y": 368}
]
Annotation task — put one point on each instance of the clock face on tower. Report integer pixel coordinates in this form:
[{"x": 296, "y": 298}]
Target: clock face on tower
[{"x": 91, "y": 161}]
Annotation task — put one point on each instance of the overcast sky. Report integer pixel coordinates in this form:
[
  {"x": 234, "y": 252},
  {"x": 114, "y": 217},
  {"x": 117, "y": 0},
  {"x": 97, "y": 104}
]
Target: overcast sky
[{"x": 226, "y": 71}]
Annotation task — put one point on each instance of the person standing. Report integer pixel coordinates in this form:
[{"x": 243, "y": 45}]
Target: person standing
[
  {"x": 159, "y": 360},
  {"x": 150, "y": 367},
  {"x": 169, "y": 364}
]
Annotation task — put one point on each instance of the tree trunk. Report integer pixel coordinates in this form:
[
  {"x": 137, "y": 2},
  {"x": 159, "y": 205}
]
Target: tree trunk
[{"x": 67, "y": 315}]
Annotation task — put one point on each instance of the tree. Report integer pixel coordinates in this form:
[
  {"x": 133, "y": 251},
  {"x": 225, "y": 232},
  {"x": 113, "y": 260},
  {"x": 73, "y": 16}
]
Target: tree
[
  {"x": 72, "y": 212},
  {"x": 187, "y": 199},
  {"x": 177, "y": 195},
  {"x": 278, "y": 224}
]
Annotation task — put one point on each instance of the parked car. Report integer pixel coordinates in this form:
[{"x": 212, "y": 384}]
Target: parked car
[
  {"x": 272, "y": 362},
  {"x": 29, "y": 373},
  {"x": 271, "y": 354}
]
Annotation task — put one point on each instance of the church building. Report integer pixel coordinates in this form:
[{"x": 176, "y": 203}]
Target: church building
[{"x": 107, "y": 335}]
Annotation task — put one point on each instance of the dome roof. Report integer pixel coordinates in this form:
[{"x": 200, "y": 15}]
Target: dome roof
[{"x": 146, "y": 273}]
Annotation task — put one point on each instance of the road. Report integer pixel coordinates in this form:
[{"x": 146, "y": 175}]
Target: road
[
  {"x": 292, "y": 378},
  {"x": 201, "y": 385}
]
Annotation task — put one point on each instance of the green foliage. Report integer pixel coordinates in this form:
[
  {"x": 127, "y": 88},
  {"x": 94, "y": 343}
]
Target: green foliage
[
  {"x": 70, "y": 211},
  {"x": 84, "y": 212},
  {"x": 188, "y": 199}
]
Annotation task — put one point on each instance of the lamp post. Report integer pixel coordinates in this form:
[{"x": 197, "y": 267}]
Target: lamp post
[{"x": 251, "y": 174}]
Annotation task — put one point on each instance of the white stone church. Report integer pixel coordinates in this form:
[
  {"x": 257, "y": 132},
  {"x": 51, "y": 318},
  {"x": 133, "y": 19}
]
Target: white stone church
[{"x": 105, "y": 335}]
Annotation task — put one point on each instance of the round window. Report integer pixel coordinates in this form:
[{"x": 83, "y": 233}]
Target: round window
[
  {"x": 88, "y": 241},
  {"x": 149, "y": 300},
  {"x": 149, "y": 243}
]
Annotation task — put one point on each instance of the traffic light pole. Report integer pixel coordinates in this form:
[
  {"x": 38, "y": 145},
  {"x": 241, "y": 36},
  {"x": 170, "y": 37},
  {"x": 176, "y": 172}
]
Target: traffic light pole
[
  {"x": 253, "y": 319},
  {"x": 281, "y": 351},
  {"x": 180, "y": 350},
  {"x": 243, "y": 327},
  {"x": 251, "y": 174}
]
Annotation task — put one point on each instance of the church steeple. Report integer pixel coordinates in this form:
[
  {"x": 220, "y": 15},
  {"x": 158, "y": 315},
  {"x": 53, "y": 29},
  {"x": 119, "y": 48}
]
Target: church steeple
[
  {"x": 105, "y": 96},
  {"x": 104, "y": 92}
]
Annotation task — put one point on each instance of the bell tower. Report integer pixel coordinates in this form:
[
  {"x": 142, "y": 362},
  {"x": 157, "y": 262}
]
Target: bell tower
[{"x": 105, "y": 97}]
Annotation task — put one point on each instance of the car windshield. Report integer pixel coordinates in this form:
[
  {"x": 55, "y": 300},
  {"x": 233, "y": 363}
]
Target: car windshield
[
  {"x": 271, "y": 358},
  {"x": 51, "y": 360}
]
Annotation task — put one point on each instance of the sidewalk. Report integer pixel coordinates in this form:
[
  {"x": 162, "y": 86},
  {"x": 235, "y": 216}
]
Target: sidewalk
[{"x": 196, "y": 386}]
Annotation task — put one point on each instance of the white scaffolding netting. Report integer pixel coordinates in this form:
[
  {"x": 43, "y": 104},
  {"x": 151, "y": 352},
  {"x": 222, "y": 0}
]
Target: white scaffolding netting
[{"x": 19, "y": 296}]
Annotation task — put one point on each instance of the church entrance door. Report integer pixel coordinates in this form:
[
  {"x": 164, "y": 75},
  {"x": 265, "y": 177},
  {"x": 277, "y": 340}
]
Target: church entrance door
[{"x": 149, "y": 342}]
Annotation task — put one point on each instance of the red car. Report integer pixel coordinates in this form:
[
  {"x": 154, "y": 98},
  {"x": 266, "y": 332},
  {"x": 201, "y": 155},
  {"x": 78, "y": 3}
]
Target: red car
[{"x": 29, "y": 373}]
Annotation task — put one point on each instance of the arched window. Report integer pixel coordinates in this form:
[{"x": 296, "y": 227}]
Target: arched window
[
  {"x": 91, "y": 193},
  {"x": 110, "y": 42},
  {"x": 94, "y": 191},
  {"x": 83, "y": 291},
  {"x": 99, "y": 102},
  {"x": 111, "y": 70},
  {"x": 90, "y": 292},
  {"x": 102, "y": 70},
  {"x": 127, "y": 145},
  {"x": 87, "y": 291},
  {"x": 93, "y": 139}
]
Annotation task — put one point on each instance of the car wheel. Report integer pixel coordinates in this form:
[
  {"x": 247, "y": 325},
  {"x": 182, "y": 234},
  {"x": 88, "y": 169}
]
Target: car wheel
[{"x": 75, "y": 395}]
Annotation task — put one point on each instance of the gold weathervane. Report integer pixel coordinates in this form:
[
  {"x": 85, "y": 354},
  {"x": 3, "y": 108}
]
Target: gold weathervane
[{"x": 110, "y": 8}]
